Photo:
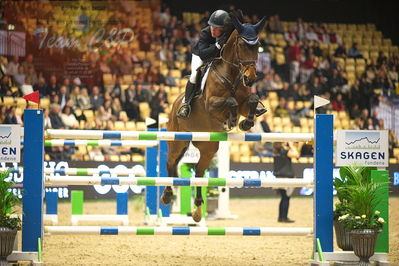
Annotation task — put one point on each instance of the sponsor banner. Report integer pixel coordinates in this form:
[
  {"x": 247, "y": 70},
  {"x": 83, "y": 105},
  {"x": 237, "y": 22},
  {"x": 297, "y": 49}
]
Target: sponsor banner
[
  {"x": 10, "y": 150},
  {"x": 362, "y": 148}
]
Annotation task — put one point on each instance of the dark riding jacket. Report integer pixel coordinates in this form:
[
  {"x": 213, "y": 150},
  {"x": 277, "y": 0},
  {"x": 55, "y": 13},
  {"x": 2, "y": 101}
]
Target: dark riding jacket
[{"x": 205, "y": 48}]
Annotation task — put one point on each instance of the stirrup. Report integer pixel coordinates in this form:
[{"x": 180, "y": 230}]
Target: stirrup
[
  {"x": 260, "y": 111},
  {"x": 184, "y": 111}
]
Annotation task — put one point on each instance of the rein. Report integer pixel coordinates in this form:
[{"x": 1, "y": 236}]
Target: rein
[{"x": 239, "y": 66}]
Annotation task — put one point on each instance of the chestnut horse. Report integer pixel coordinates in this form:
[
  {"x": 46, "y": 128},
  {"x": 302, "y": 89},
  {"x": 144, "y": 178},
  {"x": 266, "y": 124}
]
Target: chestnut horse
[{"x": 226, "y": 96}]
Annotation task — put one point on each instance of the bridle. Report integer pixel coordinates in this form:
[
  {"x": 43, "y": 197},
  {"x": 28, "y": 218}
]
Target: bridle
[{"x": 240, "y": 65}]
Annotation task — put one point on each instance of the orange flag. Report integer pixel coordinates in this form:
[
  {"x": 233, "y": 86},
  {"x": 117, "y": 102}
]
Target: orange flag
[{"x": 33, "y": 97}]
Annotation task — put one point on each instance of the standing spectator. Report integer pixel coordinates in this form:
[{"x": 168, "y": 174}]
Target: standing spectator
[
  {"x": 282, "y": 167},
  {"x": 293, "y": 56},
  {"x": 96, "y": 100}
]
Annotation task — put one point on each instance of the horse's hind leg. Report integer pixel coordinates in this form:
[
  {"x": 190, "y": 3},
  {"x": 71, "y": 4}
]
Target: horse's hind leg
[
  {"x": 249, "y": 121},
  {"x": 207, "y": 151},
  {"x": 176, "y": 150}
]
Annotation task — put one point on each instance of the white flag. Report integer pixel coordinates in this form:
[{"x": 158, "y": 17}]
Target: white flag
[
  {"x": 149, "y": 121},
  {"x": 318, "y": 101}
]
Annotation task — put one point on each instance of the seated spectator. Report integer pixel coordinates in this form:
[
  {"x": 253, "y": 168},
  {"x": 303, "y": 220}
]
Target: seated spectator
[
  {"x": 338, "y": 103},
  {"x": 26, "y": 88},
  {"x": 290, "y": 36},
  {"x": 63, "y": 96},
  {"x": 96, "y": 99},
  {"x": 169, "y": 79},
  {"x": 68, "y": 118},
  {"x": 315, "y": 87},
  {"x": 262, "y": 148},
  {"x": 276, "y": 83},
  {"x": 380, "y": 125},
  {"x": 84, "y": 100},
  {"x": 19, "y": 77},
  {"x": 47, "y": 120},
  {"x": 132, "y": 104},
  {"x": 369, "y": 124},
  {"x": 41, "y": 87},
  {"x": 354, "y": 111},
  {"x": 12, "y": 66},
  {"x": 306, "y": 150},
  {"x": 95, "y": 154},
  {"x": 281, "y": 109},
  {"x": 382, "y": 58},
  {"x": 354, "y": 51},
  {"x": 74, "y": 97},
  {"x": 186, "y": 71},
  {"x": 116, "y": 109},
  {"x": 28, "y": 63},
  {"x": 263, "y": 86},
  {"x": 32, "y": 75},
  {"x": 317, "y": 50},
  {"x": 52, "y": 88},
  {"x": 284, "y": 92},
  {"x": 56, "y": 121},
  {"x": 5, "y": 86},
  {"x": 340, "y": 51},
  {"x": 12, "y": 117}
]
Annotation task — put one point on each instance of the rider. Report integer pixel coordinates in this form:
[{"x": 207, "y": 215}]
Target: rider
[{"x": 211, "y": 40}]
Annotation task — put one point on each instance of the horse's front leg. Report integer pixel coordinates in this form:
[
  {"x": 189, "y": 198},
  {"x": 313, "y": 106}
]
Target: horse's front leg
[
  {"x": 249, "y": 121},
  {"x": 219, "y": 104}
]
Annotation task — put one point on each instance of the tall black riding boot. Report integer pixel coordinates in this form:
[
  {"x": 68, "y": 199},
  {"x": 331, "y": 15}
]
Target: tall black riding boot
[{"x": 185, "y": 109}]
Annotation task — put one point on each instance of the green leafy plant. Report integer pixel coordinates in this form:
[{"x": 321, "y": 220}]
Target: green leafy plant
[
  {"x": 349, "y": 176},
  {"x": 8, "y": 200},
  {"x": 359, "y": 199}
]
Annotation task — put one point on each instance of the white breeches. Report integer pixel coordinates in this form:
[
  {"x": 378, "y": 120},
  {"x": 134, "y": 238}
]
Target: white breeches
[{"x": 196, "y": 62}]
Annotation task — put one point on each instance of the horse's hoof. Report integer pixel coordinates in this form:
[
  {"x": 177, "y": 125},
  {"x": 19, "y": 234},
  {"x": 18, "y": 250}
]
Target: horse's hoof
[
  {"x": 166, "y": 197},
  {"x": 197, "y": 214},
  {"x": 246, "y": 125}
]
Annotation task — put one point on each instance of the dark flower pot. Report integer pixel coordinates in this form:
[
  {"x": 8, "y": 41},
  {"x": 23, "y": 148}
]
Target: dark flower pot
[
  {"x": 363, "y": 242},
  {"x": 7, "y": 238},
  {"x": 342, "y": 235}
]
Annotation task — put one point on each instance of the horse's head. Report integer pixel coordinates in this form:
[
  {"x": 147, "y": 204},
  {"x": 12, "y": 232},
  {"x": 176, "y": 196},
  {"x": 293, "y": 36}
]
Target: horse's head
[{"x": 247, "y": 43}]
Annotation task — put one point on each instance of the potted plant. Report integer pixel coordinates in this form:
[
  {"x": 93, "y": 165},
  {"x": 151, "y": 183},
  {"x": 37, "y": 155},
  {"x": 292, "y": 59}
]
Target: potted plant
[
  {"x": 349, "y": 176},
  {"x": 363, "y": 221},
  {"x": 9, "y": 224}
]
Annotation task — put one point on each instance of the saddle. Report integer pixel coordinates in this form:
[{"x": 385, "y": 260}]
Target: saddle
[{"x": 201, "y": 71}]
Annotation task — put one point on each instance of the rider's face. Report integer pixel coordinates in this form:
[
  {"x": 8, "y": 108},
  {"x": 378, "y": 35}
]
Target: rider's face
[{"x": 216, "y": 31}]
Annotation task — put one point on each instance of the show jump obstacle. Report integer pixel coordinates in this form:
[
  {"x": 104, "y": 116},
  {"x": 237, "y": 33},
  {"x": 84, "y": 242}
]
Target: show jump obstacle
[{"x": 35, "y": 180}]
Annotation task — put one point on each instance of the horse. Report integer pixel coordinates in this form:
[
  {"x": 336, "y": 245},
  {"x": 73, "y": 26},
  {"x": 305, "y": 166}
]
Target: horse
[{"x": 226, "y": 96}]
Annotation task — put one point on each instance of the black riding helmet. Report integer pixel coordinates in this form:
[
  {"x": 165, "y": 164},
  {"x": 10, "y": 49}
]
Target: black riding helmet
[{"x": 217, "y": 19}]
